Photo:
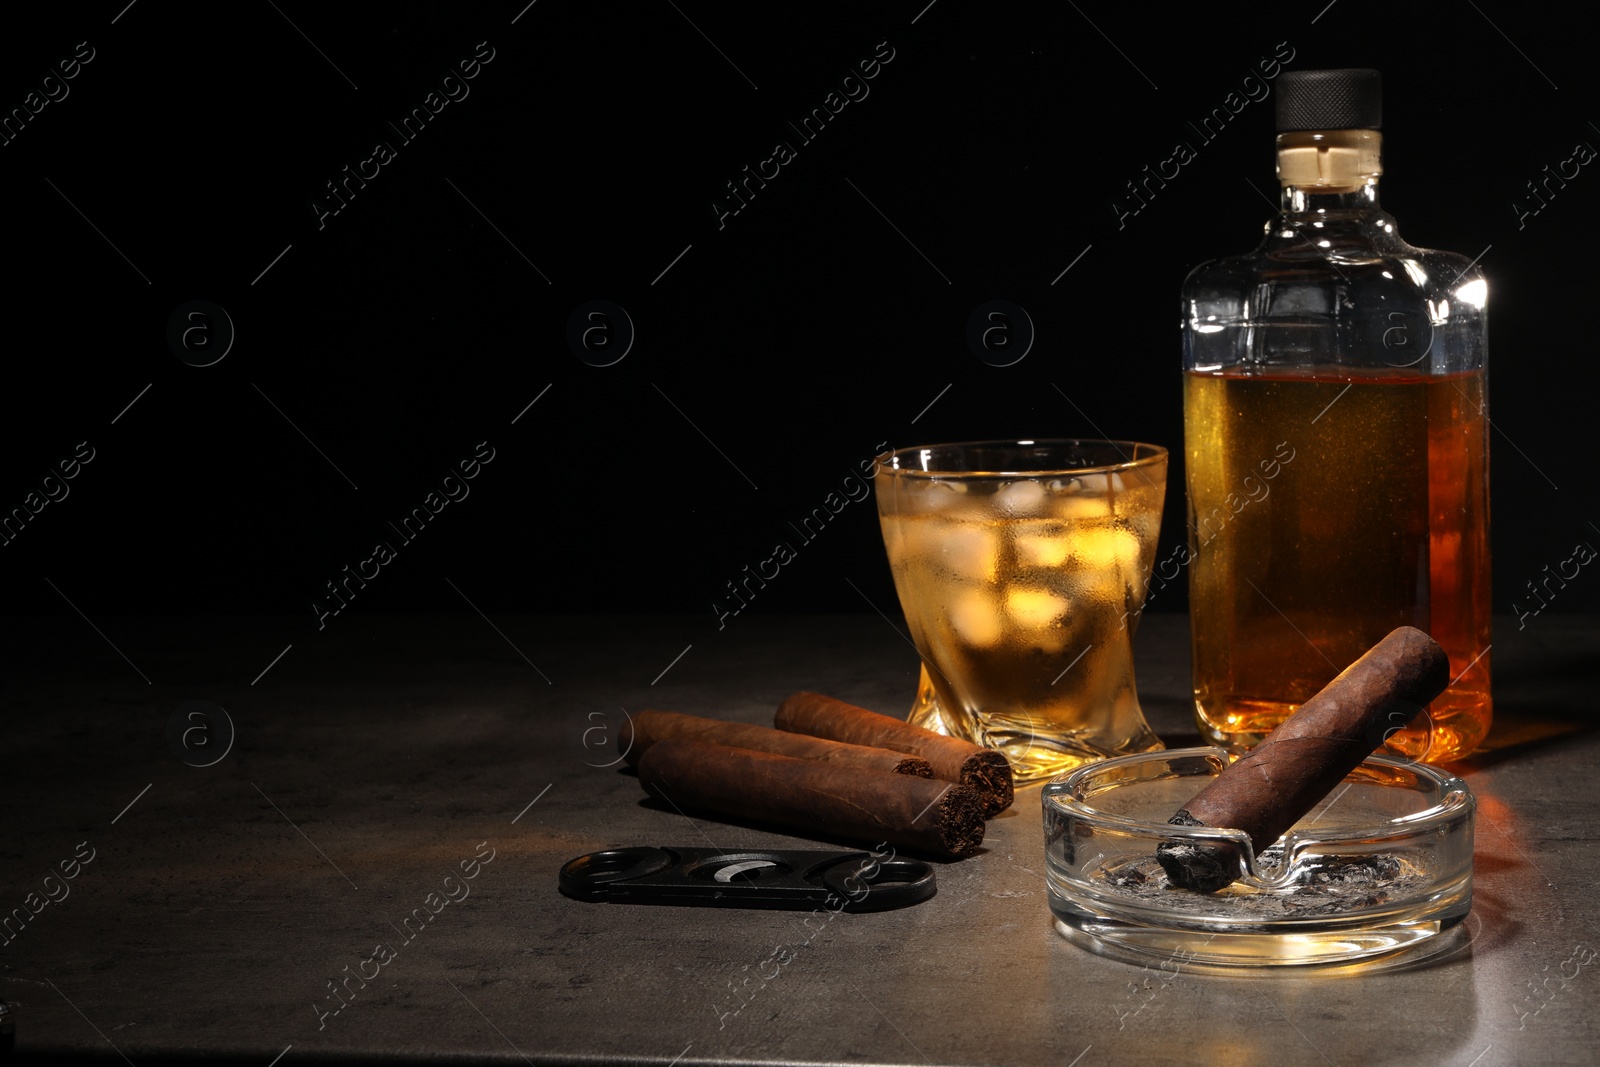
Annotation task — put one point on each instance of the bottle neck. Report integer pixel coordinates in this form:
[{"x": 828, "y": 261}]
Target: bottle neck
[
  {"x": 1304, "y": 200},
  {"x": 1329, "y": 171}
]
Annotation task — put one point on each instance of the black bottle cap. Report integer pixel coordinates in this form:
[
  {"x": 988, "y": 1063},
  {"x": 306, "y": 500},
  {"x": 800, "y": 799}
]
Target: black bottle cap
[{"x": 1345, "y": 99}]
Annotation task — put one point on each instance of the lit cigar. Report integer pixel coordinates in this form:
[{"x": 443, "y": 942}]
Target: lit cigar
[{"x": 1268, "y": 789}]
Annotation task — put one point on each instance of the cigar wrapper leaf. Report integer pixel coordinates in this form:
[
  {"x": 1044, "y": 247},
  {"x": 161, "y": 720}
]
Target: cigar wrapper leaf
[
  {"x": 815, "y": 798},
  {"x": 644, "y": 729}
]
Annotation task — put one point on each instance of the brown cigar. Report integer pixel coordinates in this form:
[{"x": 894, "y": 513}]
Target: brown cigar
[
  {"x": 1267, "y": 790},
  {"x": 986, "y": 771},
  {"x": 646, "y": 728},
  {"x": 815, "y": 798}
]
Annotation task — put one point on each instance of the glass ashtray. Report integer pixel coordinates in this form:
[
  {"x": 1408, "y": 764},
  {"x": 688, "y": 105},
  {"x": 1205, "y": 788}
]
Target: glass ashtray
[{"x": 1383, "y": 864}]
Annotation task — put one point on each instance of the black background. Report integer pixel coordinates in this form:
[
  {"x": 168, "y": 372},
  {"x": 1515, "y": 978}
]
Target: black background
[{"x": 776, "y": 352}]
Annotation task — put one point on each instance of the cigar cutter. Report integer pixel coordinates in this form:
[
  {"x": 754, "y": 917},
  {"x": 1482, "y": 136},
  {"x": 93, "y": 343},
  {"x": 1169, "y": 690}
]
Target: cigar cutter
[{"x": 702, "y": 877}]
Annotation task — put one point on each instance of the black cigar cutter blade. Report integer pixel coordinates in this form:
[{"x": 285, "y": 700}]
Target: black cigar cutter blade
[{"x": 714, "y": 878}]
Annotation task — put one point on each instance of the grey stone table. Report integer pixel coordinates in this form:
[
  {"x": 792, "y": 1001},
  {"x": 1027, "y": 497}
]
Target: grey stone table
[{"x": 379, "y": 763}]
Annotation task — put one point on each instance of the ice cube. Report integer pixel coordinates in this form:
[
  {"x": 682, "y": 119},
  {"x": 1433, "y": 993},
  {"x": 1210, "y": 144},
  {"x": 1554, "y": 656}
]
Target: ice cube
[
  {"x": 1083, "y": 497},
  {"x": 937, "y": 495},
  {"x": 1075, "y": 506},
  {"x": 1035, "y": 608},
  {"x": 914, "y": 496},
  {"x": 975, "y": 617},
  {"x": 1020, "y": 498},
  {"x": 970, "y": 551},
  {"x": 1042, "y": 550},
  {"x": 910, "y": 537},
  {"x": 1092, "y": 484},
  {"x": 1108, "y": 549}
]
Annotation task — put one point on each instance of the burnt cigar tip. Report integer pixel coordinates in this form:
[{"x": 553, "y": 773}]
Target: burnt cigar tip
[{"x": 1203, "y": 866}]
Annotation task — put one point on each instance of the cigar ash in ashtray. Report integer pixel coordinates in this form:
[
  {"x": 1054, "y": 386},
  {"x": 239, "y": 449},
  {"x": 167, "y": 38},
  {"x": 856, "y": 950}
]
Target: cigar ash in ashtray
[{"x": 1327, "y": 886}]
